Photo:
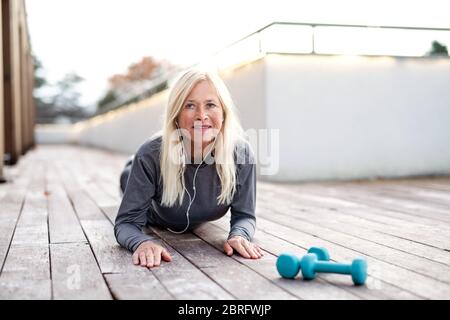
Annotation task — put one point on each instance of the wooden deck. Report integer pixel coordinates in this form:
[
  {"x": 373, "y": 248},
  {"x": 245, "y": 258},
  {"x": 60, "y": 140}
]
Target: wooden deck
[{"x": 57, "y": 241}]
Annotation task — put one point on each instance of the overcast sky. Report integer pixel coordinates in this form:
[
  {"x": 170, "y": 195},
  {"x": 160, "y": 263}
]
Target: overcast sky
[{"x": 98, "y": 38}]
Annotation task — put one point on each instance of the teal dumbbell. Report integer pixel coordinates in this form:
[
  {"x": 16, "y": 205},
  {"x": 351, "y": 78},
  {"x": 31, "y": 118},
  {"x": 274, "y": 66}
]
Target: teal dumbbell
[
  {"x": 310, "y": 265},
  {"x": 288, "y": 265}
]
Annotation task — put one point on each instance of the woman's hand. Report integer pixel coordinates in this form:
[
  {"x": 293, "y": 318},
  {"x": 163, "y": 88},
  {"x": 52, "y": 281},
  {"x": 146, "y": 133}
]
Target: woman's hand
[
  {"x": 149, "y": 254},
  {"x": 243, "y": 246}
]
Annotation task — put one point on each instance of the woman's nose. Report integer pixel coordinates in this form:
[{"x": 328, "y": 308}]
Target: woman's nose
[{"x": 201, "y": 114}]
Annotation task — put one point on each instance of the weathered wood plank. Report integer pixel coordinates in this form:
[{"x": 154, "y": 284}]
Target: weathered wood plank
[
  {"x": 32, "y": 227},
  {"x": 102, "y": 184},
  {"x": 26, "y": 274},
  {"x": 181, "y": 279},
  {"x": 373, "y": 289},
  {"x": 337, "y": 198},
  {"x": 75, "y": 273},
  {"x": 9, "y": 215},
  {"x": 111, "y": 189},
  {"x": 63, "y": 222},
  {"x": 111, "y": 258},
  {"x": 415, "y": 208},
  {"x": 186, "y": 282},
  {"x": 388, "y": 234},
  {"x": 110, "y": 212},
  {"x": 136, "y": 287},
  {"x": 307, "y": 235},
  {"x": 26, "y": 271},
  {"x": 85, "y": 208},
  {"x": 401, "y": 226},
  {"x": 405, "y": 260},
  {"x": 11, "y": 206},
  {"x": 417, "y": 192},
  {"x": 114, "y": 259},
  {"x": 432, "y": 185},
  {"x": 410, "y": 192},
  {"x": 236, "y": 278},
  {"x": 410, "y": 243},
  {"x": 2, "y": 192},
  {"x": 265, "y": 266},
  {"x": 156, "y": 270},
  {"x": 356, "y": 194},
  {"x": 434, "y": 235},
  {"x": 94, "y": 191}
]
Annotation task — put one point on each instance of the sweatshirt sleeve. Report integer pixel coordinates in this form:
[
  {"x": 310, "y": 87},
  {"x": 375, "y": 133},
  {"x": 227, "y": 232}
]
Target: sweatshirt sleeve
[
  {"x": 243, "y": 219},
  {"x": 132, "y": 215}
]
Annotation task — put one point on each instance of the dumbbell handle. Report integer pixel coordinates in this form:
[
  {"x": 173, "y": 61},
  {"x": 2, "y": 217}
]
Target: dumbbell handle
[{"x": 330, "y": 267}]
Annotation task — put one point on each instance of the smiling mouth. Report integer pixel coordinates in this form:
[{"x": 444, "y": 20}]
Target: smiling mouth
[{"x": 202, "y": 127}]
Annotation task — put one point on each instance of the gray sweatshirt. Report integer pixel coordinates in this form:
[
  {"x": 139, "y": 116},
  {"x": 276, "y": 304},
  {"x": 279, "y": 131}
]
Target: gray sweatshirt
[{"x": 141, "y": 202}]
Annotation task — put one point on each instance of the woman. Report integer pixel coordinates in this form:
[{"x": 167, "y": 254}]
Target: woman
[{"x": 194, "y": 171}]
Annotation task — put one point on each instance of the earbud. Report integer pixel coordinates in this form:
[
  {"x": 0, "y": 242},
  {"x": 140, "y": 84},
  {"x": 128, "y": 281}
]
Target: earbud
[
  {"x": 183, "y": 159},
  {"x": 178, "y": 129}
]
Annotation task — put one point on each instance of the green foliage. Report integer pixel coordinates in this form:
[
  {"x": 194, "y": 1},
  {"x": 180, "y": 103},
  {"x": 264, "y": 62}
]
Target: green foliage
[
  {"x": 67, "y": 97},
  {"x": 437, "y": 49},
  {"x": 109, "y": 97},
  {"x": 61, "y": 100},
  {"x": 39, "y": 80}
]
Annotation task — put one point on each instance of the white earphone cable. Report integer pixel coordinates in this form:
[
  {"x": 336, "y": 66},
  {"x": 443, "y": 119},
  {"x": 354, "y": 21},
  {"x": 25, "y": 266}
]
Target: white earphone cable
[{"x": 191, "y": 199}]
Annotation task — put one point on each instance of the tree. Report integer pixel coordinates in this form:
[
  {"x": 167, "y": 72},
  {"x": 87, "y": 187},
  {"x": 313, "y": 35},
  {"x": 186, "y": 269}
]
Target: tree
[
  {"x": 437, "y": 49},
  {"x": 59, "y": 101},
  {"x": 143, "y": 70},
  {"x": 67, "y": 97},
  {"x": 43, "y": 106},
  {"x": 109, "y": 97},
  {"x": 135, "y": 82},
  {"x": 39, "y": 80}
]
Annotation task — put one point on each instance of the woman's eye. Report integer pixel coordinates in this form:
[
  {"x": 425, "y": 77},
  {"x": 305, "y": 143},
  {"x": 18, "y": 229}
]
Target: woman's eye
[
  {"x": 211, "y": 105},
  {"x": 189, "y": 106}
]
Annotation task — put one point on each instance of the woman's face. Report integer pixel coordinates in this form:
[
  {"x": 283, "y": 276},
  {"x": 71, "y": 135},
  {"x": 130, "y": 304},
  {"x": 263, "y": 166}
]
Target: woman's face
[{"x": 201, "y": 115}]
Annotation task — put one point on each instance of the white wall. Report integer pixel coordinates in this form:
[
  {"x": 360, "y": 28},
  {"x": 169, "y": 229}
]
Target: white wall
[
  {"x": 54, "y": 134},
  {"x": 338, "y": 117},
  {"x": 359, "y": 117},
  {"x": 247, "y": 86},
  {"x": 124, "y": 130}
]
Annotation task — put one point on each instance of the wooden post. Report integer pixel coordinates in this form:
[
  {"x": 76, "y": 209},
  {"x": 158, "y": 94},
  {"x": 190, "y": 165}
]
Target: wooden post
[
  {"x": 9, "y": 111},
  {"x": 31, "y": 104},
  {"x": 16, "y": 100},
  {"x": 26, "y": 90},
  {"x": 18, "y": 75},
  {"x": 21, "y": 92},
  {"x": 2, "y": 127}
]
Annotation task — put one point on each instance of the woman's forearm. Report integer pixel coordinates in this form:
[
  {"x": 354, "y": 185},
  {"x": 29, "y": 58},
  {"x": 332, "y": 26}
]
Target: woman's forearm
[{"x": 130, "y": 236}]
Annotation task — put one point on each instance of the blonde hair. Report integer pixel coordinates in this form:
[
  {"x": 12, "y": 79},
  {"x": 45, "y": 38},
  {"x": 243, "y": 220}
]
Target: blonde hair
[{"x": 172, "y": 172}]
